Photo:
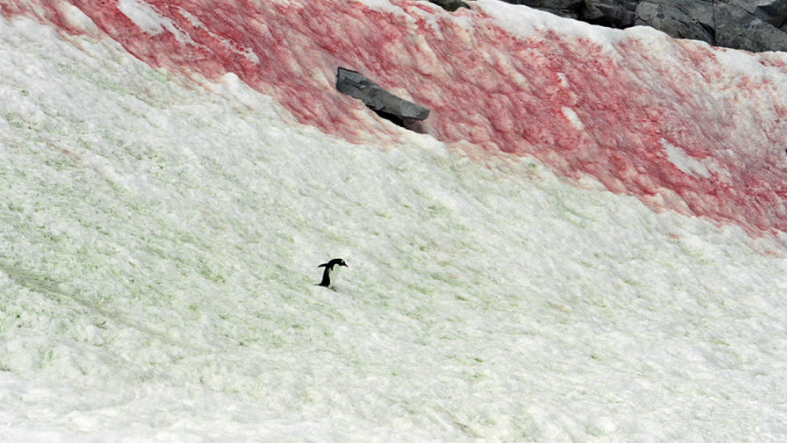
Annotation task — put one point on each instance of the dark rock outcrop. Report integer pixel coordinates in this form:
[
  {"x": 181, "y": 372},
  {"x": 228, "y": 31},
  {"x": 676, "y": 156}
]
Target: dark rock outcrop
[
  {"x": 563, "y": 8},
  {"x": 611, "y": 13},
  {"x": 386, "y": 105},
  {"x": 691, "y": 19},
  {"x": 738, "y": 27},
  {"x": 450, "y": 5},
  {"x": 753, "y": 25}
]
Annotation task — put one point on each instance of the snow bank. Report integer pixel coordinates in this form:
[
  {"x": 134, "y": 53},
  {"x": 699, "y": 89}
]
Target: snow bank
[{"x": 587, "y": 101}]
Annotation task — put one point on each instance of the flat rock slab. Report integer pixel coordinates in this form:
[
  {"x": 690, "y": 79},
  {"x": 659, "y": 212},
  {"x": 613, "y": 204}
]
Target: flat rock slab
[{"x": 378, "y": 99}]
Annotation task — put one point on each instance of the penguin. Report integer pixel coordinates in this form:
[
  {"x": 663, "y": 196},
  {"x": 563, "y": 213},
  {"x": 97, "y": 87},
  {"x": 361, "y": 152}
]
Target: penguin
[{"x": 331, "y": 270}]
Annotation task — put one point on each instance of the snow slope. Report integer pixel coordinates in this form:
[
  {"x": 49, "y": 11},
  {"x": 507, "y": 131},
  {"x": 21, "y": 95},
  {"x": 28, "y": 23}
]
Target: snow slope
[
  {"x": 163, "y": 212},
  {"x": 588, "y": 101}
]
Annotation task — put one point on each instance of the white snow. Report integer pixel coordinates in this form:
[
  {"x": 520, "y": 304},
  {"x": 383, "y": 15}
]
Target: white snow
[
  {"x": 150, "y": 21},
  {"x": 159, "y": 245},
  {"x": 76, "y": 18},
  {"x": 510, "y": 16},
  {"x": 572, "y": 117},
  {"x": 143, "y": 15},
  {"x": 683, "y": 161}
]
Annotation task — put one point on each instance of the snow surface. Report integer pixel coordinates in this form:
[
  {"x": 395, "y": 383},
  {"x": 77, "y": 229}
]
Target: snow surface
[
  {"x": 498, "y": 78},
  {"x": 158, "y": 248}
]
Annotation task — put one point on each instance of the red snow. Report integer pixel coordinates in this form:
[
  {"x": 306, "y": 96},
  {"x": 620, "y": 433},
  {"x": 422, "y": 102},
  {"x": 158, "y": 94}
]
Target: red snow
[{"x": 495, "y": 90}]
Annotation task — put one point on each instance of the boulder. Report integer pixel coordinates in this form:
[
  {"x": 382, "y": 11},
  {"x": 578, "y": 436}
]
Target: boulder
[
  {"x": 773, "y": 12},
  {"x": 610, "y": 13},
  {"x": 385, "y": 104},
  {"x": 680, "y": 19},
  {"x": 450, "y": 5},
  {"x": 753, "y": 25},
  {"x": 563, "y": 8},
  {"x": 739, "y": 28}
]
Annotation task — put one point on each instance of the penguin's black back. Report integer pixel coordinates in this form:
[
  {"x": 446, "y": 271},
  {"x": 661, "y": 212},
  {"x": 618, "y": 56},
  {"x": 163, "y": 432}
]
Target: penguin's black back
[{"x": 326, "y": 278}]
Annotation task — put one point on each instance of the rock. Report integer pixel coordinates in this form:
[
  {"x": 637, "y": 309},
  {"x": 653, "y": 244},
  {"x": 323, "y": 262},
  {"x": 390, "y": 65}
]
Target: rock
[
  {"x": 450, "y": 5},
  {"x": 738, "y": 28},
  {"x": 610, "y": 13},
  {"x": 773, "y": 12},
  {"x": 687, "y": 19},
  {"x": 563, "y": 8},
  {"x": 385, "y": 104},
  {"x": 753, "y": 25}
]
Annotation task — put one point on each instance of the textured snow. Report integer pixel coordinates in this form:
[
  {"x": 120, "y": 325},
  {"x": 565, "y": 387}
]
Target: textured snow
[
  {"x": 500, "y": 78},
  {"x": 685, "y": 162},
  {"x": 159, "y": 239},
  {"x": 144, "y": 16}
]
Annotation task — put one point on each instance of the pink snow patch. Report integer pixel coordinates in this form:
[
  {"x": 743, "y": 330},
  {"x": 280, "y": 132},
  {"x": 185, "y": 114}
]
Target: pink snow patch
[{"x": 675, "y": 129}]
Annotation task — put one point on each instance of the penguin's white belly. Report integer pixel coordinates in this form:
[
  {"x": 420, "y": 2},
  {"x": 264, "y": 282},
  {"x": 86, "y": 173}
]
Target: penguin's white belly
[{"x": 332, "y": 274}]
